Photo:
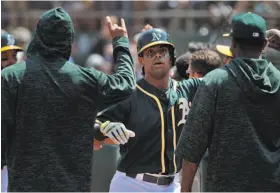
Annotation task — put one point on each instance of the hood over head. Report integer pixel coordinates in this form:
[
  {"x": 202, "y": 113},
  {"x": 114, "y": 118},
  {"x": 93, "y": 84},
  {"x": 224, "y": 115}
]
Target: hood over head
[{"x": 53, "y": 36}]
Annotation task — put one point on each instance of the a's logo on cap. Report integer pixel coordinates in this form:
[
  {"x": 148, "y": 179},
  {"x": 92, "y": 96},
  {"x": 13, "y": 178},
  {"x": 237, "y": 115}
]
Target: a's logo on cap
[
  {"x": 10, "y": 40},
  {"x": 256, "y": 34},
  {"x": 156, "y": 36}
]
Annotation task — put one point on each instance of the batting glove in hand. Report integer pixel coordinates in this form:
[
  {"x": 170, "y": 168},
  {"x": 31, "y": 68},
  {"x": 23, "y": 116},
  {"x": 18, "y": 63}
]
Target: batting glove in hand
[{"x": 117, "y": 132}]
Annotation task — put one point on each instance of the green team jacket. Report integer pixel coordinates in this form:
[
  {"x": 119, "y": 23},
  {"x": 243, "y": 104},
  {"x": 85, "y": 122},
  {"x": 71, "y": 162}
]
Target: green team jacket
[
  {"x": 236, "y": 116},
  {"x": 157, "y": 119},
  {"x": 48, "y": 106}
]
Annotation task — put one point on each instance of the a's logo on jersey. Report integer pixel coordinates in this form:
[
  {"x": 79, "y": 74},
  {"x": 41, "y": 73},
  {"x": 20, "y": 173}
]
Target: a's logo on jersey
[
  {"x": 156, "y": 36},
  {"x": 184, "y": 106}
]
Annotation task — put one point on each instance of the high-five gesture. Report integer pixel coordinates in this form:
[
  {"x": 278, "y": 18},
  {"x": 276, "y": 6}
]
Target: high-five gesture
[{"x": 116, "y": 30}]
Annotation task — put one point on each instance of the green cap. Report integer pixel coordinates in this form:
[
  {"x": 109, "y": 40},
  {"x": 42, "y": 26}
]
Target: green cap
[
  {"x": 8, "y": 42},
  {"x": 248, "y": 26}
]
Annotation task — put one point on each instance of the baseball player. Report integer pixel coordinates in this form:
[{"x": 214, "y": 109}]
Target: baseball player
[
  {"x": 9, "y": 51},
  {"x": 155, "y": 114},
  {"x": 235, "y": 115},
  {"x": 48, "y": 105},
  {"x": 273, "y": 36}
]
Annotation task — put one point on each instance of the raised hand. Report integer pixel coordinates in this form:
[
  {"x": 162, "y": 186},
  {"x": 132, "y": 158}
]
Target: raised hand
[
  {"x": 116, "y": 30},
  {"x": 273, "y": 36},
  {"x": 147, "y": 27}
]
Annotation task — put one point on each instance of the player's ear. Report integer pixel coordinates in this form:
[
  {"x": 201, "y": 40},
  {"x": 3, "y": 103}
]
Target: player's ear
[
  {"x": 265, "y": 44},
  {"x": 140, "y": 60},
  {"x": 265, "y": 47}
]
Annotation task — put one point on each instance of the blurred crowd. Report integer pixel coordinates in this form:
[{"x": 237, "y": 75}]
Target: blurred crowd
[{"x": 92, "y": 45}]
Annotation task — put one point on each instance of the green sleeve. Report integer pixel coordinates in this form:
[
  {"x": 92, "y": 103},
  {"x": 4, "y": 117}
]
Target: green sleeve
[
  {"x": 197, "y": 132},
  {"x": 110, "y": 89},
  {"x": 116, "y": 113},
  {"x": 119, "y": 86},
  {"x": 189, "y": 87},
  {"x": 7, "y": 120}
]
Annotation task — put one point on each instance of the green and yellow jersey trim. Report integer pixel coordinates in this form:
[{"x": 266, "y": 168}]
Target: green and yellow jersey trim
[
  {"x": 174, "y": 128},
  {"x": 162, "y": 126},
  {"x": 174, "y": 137}
]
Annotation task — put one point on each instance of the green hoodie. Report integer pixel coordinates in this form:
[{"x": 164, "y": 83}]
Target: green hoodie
[
  {"x": 235, "y": 114},
  {"x": 255, "y": 77},
  {"x": 49, "y": 106}
]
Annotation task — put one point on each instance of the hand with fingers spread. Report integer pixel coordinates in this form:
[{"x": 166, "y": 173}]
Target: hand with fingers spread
[
  {"x": 117, "y": 132},
  {"x": 116, "y": 30},
  {"x": 273, "y": 36}
]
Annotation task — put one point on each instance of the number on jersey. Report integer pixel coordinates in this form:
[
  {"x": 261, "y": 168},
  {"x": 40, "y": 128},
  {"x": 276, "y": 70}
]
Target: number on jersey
[{"x": 184, "y": 106}]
